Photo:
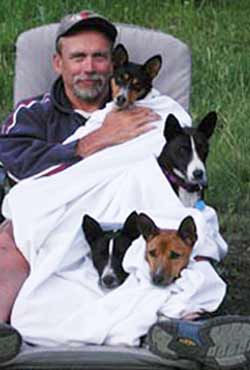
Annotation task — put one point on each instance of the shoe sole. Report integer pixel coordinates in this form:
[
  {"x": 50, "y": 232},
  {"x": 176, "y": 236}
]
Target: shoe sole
[
  {"x": 225, "y": 342},
  {"x": 10, "y": 343}
]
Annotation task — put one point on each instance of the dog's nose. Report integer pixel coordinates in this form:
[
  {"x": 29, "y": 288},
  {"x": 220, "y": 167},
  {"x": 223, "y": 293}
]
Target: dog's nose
[
  {"x": 198, "y": 174},
  {"x": 158, "y": 279},
  {"x": 120, "y": 100},
  {"x": 109, "y": 281}
]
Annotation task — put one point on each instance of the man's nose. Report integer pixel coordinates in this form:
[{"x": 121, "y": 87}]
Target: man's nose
[{"x": 88, "y": 64}]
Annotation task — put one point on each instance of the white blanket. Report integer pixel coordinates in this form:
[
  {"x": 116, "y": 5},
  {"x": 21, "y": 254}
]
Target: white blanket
[{"x": 61, "y": 301}]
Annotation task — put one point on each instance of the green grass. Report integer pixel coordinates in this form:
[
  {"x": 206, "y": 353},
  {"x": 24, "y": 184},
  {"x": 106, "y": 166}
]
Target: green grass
[{"x": 218, "y": 35}]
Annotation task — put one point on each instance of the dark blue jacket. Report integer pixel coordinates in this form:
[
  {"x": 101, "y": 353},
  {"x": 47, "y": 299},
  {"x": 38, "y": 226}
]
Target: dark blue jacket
[{"x": 32, "y": 135}]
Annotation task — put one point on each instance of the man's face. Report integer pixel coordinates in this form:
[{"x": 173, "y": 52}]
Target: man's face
[{"x": 85, "y": 64}]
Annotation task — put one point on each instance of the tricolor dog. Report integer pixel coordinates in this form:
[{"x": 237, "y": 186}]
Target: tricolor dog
[
  {"x": 183, "y": 157},
  {"x": 108, "y": 247},
  {"x": 167, "y": 251},
  {"x": 131, "y": 81}
]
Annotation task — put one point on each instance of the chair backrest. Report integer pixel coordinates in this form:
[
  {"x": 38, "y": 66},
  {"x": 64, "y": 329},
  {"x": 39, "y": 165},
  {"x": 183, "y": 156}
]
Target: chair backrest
[{"x": 35, "y": 47}]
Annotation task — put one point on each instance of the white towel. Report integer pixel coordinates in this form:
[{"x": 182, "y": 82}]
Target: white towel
[{"x": 61, "y": 301}]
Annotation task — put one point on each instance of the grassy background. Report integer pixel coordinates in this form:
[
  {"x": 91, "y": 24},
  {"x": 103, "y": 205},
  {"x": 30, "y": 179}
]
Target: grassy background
[{"x": 218, "y": 35}]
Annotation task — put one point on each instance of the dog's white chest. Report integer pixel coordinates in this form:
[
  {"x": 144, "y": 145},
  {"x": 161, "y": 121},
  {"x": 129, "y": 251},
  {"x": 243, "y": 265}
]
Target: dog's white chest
[{"x": 188, "y": 199}]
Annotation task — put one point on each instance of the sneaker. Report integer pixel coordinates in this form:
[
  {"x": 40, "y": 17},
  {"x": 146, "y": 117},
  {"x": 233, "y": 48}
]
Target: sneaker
[
  {"x": 221, "y": 343},
  {"x": 10, "y": 342}
]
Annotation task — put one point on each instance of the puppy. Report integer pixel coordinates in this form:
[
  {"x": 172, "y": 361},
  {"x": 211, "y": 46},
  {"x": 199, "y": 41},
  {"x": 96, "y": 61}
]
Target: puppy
[
  {"x": 183, "y": 157},
  {"x": 132, "y": 81},
  {"x": 167, "y": 251},
  {"x": 108, "y": 248}
]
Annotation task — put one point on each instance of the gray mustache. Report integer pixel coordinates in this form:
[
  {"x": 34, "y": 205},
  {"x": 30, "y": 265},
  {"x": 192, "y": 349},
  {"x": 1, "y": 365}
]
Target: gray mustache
[{"x": 94, "y": 77}]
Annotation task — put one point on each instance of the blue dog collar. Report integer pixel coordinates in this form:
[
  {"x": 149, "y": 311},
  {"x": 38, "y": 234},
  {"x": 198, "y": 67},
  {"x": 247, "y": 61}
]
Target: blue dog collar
[{"x": 200, "y": 205}]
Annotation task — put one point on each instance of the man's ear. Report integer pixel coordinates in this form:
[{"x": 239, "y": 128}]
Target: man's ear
[{"x": 57, "y": 63}]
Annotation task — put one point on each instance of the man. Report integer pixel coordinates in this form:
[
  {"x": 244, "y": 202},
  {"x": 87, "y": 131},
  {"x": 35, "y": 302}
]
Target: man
[
  {"x": 32, "y": 144},
  {"x": 83, "y": 59},
  {"x": 28, "y": 149}
]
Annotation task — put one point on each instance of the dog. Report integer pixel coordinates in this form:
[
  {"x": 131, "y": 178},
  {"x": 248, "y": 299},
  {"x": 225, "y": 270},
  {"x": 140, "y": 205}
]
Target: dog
[
  {"x": 167, "y": 251},
  {"x": 183, "y": 157},
  {"x": 131, "y": 81},
  {"x": 108, "y": 247}
]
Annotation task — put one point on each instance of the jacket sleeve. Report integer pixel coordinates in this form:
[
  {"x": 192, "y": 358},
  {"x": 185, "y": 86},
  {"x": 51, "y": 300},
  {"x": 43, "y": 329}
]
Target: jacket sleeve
[{"x": 24, "y": 148}]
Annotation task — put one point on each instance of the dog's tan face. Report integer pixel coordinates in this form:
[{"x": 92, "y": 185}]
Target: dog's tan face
[
  {"x": 131, "y": 81},
  {"x": 127, "y": 91},
  {"x": 167, "y": 251}
]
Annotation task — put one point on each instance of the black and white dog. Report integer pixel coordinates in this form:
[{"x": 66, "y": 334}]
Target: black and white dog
[
  {"x": 108, "y": 247},
  {"x": 183, "y": 157}
]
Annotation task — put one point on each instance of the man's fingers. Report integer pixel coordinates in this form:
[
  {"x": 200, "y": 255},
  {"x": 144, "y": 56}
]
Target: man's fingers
[
  {"x": 145, "y": 112},
  {"x": 142, "y": 129},
  {"x": 144, "y": 120},
  {"x": 135, "y": 112}
]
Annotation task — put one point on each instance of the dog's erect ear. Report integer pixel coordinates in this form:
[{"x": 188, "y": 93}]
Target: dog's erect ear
[
  {"x": 172, "y": 128},
  {"x": 187, "y": 231},
  {"x": 152, "y": 66},
  {"x": 207, "y": 125},
  {"x": 91, "y": 228},
  {"x": 146, "y": 226},
  {"x": 119, "y": 56},
  {"x": 130, "y": 228}
]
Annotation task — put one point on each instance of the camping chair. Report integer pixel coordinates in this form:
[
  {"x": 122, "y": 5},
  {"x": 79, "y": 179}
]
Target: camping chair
[{"x": 34, "y": 75}]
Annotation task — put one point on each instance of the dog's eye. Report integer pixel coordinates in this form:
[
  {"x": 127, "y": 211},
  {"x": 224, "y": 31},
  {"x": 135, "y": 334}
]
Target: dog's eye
[
  {"x": 118, "y": 80},
  {"x": 152, "y": 253},
  {"x": 183, "y": 150},
  {"x": 136, "y": 86},
  {"x": 173, "y": 255}
]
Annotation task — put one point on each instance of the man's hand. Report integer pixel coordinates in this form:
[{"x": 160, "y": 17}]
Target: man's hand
[{"x": 118, "y": 127}]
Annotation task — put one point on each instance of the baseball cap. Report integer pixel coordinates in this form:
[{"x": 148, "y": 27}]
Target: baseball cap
[{"x": 86, "y": 19}]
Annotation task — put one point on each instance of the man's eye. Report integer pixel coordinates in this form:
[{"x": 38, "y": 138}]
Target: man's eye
[
  {"x": 152, "y": 253},
  {"x": 78, "y": 59},
  {"x": 100, "y": 56},
  {"x": 173, "y": 255}
]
